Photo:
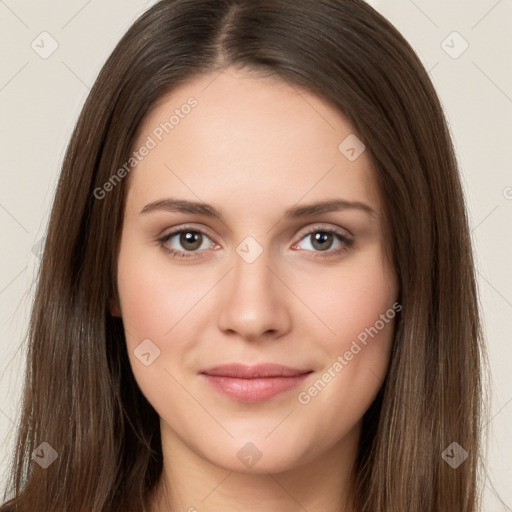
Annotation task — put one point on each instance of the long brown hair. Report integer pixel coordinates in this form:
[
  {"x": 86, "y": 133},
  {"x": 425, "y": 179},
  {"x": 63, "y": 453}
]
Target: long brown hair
[{"x": 80, "y": 395}]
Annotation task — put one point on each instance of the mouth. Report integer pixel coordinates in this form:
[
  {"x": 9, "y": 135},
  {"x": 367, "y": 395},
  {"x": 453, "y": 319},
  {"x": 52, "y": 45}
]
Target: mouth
[{"x": 253, "y": 383}]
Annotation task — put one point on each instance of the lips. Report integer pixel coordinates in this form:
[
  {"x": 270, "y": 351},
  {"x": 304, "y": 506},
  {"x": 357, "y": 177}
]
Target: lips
[
  {"x": 253, "y": 383},
  {"x": 250, "y": 372}
]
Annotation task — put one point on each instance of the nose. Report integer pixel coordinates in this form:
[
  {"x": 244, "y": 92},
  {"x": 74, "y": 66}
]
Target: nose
[{"x": 254, "y": 302}]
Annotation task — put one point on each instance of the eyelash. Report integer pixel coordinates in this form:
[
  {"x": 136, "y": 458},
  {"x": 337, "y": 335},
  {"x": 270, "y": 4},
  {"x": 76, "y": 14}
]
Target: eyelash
[{"x": 348, "y": 243}]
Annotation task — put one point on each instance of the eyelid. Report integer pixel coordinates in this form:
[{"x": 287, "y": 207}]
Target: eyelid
[
  {"x": 323, "y": 227},
  {"x": 184, "y": 227}
]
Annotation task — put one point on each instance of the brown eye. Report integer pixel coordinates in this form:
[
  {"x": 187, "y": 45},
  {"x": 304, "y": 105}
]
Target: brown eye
[
  {"x": 191, "y": 240},
  {"x": 322, "y": 240},
  {"x": 183, "y": 241},
  {"x": 324, "y": 243}
]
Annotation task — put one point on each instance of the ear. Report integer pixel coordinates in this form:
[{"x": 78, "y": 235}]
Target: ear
[{"x": 114, "y": 307}]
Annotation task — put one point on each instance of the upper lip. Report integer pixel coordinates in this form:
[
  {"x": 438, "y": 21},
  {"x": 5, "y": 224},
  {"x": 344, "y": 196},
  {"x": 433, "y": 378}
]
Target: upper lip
[{"x": 242, "y": 371}]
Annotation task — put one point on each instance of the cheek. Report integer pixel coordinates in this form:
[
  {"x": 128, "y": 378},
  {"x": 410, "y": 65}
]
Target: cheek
[
  {"x": 357, "y": 306},
  {"x": 165, "y": 303},
  {"x": 155, "y": 305},
  {"x": 360, "y": 311},
  {"x": 349, "y": 299},
  {"x": 153, "y": 300}
]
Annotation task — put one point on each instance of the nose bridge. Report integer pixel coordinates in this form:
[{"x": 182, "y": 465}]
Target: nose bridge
[
  {"x": 253, "y": 303},
  {"x": 252, "y": 276}
]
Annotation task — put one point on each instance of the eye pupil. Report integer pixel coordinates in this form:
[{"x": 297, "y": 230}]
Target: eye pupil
[
  {"x": 192, "y": 238},
  {"x": 319, "y": 240}
]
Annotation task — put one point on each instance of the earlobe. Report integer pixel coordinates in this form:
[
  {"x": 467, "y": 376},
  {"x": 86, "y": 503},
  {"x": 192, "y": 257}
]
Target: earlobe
[{"x": 114, "y": 307}]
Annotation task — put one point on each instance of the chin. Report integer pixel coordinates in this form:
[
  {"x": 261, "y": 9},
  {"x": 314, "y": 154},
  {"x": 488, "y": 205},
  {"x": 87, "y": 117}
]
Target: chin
[{"x": 259, "y": 455}]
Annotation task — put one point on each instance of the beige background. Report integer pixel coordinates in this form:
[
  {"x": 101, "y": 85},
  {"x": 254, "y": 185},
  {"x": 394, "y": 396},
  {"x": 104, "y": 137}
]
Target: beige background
[{"x": 40, "y": 100}]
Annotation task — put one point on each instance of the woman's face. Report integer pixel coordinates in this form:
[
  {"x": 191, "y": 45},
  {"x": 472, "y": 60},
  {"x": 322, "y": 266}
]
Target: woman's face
[{"x": 238, "y": 249}]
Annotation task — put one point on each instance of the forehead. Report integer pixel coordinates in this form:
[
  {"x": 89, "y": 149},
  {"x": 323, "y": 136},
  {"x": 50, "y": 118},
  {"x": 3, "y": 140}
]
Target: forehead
[{"x": 247, "y": 139}]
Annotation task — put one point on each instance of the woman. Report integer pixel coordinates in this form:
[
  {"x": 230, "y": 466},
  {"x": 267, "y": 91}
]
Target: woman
[{"x": 257, "y": 289}]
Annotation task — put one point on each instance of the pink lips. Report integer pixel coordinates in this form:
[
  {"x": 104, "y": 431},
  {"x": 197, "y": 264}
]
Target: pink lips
[{"x": 253, "y": 383}]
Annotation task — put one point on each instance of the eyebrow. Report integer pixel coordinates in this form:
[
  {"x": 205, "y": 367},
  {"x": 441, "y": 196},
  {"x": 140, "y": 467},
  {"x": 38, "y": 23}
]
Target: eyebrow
[{"x": 194, "y": 207}]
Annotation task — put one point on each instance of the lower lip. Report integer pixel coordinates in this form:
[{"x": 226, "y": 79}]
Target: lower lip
[{"x": 254, "y": 390}]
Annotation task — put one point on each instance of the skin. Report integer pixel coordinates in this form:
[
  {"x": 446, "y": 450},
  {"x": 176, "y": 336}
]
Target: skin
[{"x": 253, "y": 147}]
